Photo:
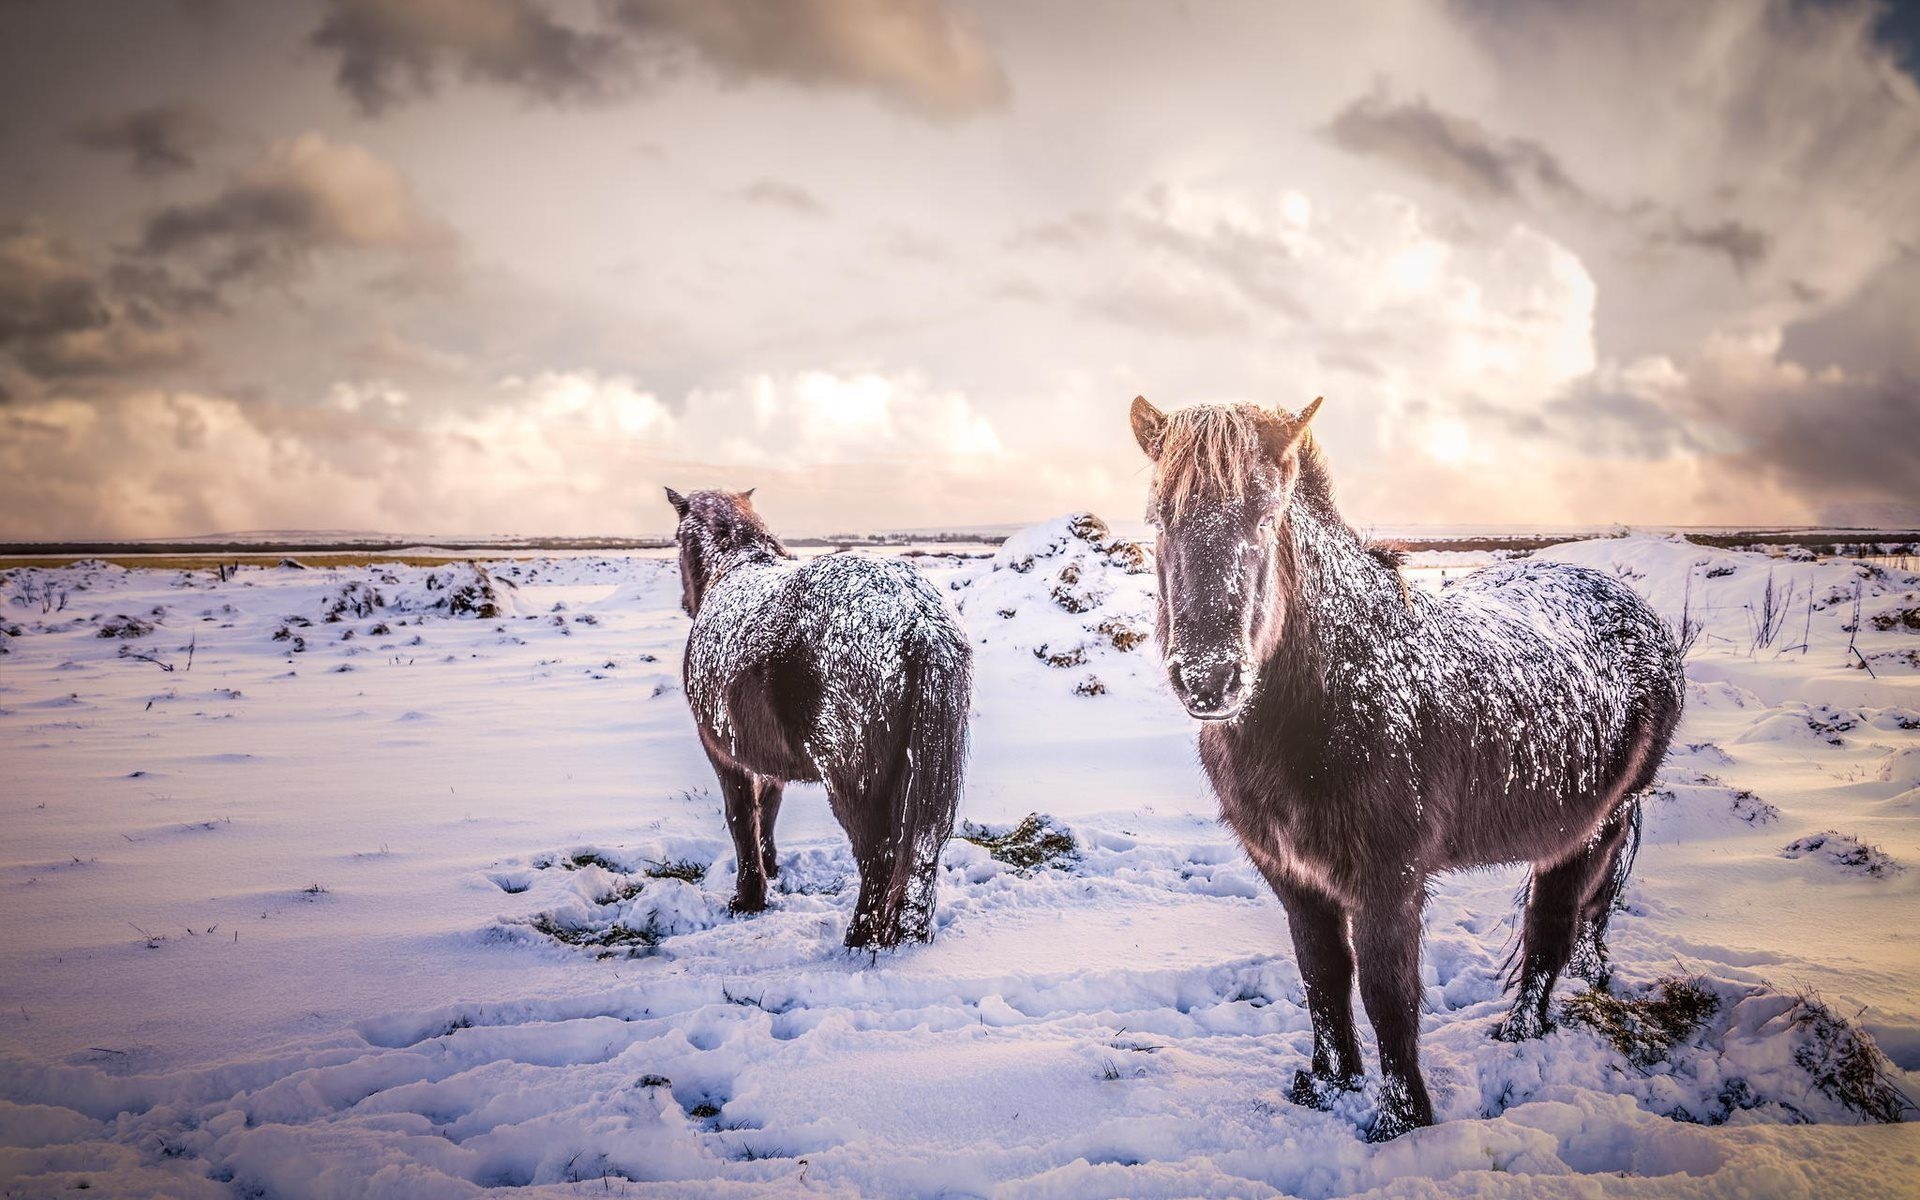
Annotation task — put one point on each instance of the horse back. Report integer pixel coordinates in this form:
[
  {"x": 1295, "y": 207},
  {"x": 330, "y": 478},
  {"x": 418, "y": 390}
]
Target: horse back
[{"x": 803, "y": 673}]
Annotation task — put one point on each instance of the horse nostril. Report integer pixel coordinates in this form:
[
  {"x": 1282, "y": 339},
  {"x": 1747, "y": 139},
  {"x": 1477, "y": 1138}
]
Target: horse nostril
[{"x": 1211, "y": 687}]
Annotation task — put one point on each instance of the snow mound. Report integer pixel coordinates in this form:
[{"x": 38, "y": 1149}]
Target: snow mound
[
  {"x": 1845, "y": 851},
  {"x": 456, "y": 590},
  {"x": 1902, "y": 767},
  {"x": 1066, "y": 593},
  {"x": 1803, "y": 725},
  {"x": 1752, "y": 602},
  {"x": 1698, "y": 805}
]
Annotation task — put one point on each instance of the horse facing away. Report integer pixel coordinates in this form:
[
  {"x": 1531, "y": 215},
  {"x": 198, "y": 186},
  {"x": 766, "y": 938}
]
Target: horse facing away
[
  {"x": 847, "y": 670},
  {"x": 1363, "y": 734}
]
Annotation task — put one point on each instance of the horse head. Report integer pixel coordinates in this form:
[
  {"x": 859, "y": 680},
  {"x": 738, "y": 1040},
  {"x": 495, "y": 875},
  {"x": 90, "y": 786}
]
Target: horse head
[
  {"x": 1223, "y": 482},
  {"x": 715, "y": 529}
]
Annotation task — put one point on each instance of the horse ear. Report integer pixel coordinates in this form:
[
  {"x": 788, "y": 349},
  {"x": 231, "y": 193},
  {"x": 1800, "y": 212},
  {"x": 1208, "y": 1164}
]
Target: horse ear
[
  {"x": 1285, "y": 439},
  {"x": 748, "y": 494},
  {"x": 678, "y": 501},
  {"x": 1149, "y": 426}
]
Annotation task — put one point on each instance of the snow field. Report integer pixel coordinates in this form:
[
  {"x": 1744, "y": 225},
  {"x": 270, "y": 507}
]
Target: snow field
[{"x": 478, "y": 880}]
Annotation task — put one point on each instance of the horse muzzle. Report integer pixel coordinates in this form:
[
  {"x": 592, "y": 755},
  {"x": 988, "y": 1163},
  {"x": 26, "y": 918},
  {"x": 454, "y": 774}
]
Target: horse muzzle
[{"x": 1212, "y": 691}]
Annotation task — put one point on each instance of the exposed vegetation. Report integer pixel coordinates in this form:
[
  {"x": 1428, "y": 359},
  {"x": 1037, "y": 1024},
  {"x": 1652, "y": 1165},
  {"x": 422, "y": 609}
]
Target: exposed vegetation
[
  {"x": 591, "y": 858},
  {"x": 1845, "y": 1063},
  {"x": 608, "y": 939},
  {"x": 684, "y": 869},
  {"x": 1646, "y": 1028},
  {"x": 121, "y": 625},
  {"x": 1037, "y": 841}
]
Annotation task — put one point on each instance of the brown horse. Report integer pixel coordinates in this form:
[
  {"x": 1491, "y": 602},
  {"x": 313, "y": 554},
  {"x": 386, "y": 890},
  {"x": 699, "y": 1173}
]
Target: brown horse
[
  {"x": 1363, "y": 734},
  {"x": 847, "y": 670}
]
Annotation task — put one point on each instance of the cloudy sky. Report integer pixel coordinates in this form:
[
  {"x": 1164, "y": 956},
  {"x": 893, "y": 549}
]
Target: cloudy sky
[{"x": 510, "y": 265}]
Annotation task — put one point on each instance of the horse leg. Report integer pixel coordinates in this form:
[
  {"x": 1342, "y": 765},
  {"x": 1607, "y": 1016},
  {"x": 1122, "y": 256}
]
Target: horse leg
[
  {"x": 739, "y": 789},
  {"x": 926, "y": 821},
  {"x": 1319, "y": 927},
  {"x": 1386, "y": 937},
  {"x": 767, "y": 793},
  {"x": 1590, "y": 960},
  {"x": 1567, "y": 908},
  {"x": 872, "y": 925}
]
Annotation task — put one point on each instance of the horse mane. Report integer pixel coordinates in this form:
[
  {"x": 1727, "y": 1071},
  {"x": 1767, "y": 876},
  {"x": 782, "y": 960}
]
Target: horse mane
[
  {"x": 1218, "y": 449},
  {"x": 1387, "y": 553}
]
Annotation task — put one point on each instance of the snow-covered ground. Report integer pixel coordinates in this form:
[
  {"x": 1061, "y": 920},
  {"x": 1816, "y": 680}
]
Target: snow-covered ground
[{"x": 428, "y": 899}]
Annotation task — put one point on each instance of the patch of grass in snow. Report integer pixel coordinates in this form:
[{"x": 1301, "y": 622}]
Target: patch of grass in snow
[
  {"x": 626, "y": 891},
  {"x": 1845, "y": 1064},
  {"x": 591, "y": 858},
  {"x": 1037, "y": 841},
  {"x": 1646, "y": 1028},
  {"x": 120, "y": 625},
  {"x": 684, "y": 869},
  {"x": 1090, "y": 686},
  {"x": 608, "y": 939}
]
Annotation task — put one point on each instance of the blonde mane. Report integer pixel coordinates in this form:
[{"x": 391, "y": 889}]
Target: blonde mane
[{"x": 1220, "y": 449}]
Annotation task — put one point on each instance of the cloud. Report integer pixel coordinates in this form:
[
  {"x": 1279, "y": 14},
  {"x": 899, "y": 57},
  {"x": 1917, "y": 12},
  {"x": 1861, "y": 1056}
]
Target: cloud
[
  {"x": 58, "y": 318},
  {"x": 1373, "y": 293},
  {"x": 921, "y": 56},
  {"x": 1463, "y": 156},
  {"x": 790, "y": 196},
  {"x": 1835, "y": 438},
  {"x": 391, "y": 52},
  {"x": 553, "y": 452},
  {"x": 46, "y": 290},
  {"x": 1453, "y": 151},
  {"x": 1744, "y": 246},
  {"x": 162, "y": 139},
  {"x": 308, "y": 196}
]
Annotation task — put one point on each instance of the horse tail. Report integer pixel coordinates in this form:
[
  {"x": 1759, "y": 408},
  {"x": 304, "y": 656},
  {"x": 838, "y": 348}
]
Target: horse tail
[
  {"x": 940, "y": 695},
  {"x": 917, "y": 793}
]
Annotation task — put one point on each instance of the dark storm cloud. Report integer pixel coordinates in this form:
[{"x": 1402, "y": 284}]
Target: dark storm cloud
[
  {"x": 59, "y": 319},
  {"x": 45, "y": 288},
  {"x": 1466, "y": 157},
  {"x": 309, "y": 196},
  {"x": 1744, "y": 246},
  {"x": 789, "y": 196},
  {"x": 1453, "y": 151},
  {"x": 1836, "y": 442},
  {"x": 1832, "y": 439},
  {"x": 392, "y": 52},
  {"x": 1875, "y": 327},
  {"x": 162, "y": 138},
  {"x": 917, "y": 55}
]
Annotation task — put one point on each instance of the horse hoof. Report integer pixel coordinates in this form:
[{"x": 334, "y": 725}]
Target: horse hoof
[
  {"x": 1320, "y": 1091},
  {"x": 1390, "y": 1125},
  {"x": 742, "y": 906},
  {"x": 1403, "y": 1107}
]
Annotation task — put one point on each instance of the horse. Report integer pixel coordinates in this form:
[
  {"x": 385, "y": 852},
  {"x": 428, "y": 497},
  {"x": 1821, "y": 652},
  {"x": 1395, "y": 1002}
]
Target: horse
[
  {"x": 1363, "y": 735},
  {"x": 846, "y": 670}
]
